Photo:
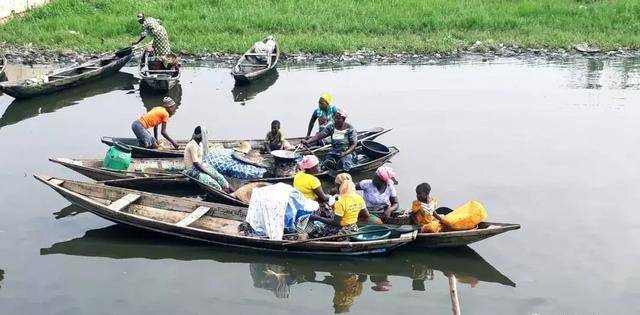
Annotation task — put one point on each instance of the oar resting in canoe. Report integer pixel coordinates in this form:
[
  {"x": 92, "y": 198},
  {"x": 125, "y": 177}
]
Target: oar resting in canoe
[{"x": 157, "y": 116}]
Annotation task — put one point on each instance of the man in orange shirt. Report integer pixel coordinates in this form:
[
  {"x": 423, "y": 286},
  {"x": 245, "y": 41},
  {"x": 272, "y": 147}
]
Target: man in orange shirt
[{"x": 158, "y": 115}]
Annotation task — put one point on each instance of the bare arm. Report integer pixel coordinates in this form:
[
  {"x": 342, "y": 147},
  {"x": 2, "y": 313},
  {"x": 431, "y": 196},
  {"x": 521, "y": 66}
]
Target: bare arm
[
  {"x": 142, "y": 37},
  {"x": 335, "y": 220},
  {"x": 364, "y": 215},
  {"x": 316, "y": 137},
  {"x": 312, "y": 122},
  {"x": 393, "y": 207},
  {"x": 166, "y": 135},
  {"x": 155, "y": 132},
  {"x": 322, "y": 197}
]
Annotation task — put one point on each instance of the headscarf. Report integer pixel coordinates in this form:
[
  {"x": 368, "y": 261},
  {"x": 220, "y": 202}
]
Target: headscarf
[
  {"x": 205, "y": 141},
  {"x": 342, "y": 112},
  {"x": 327, "y": 98},
  {"x": 386, "y": 174},
  {"x": 308, "y": 162},
  {"x": 168, "y": 102},
  {"x": 140, "y": 16},
  {"x": 347, "y": 188},
  {"x": 342, "y": 177}
]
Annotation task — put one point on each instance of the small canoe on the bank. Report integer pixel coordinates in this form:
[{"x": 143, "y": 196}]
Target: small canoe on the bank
[
  {"x": 140, "y": 152},
  {"x": 154, "y": 77},
  {"x": 198, "y": 220},
  {"x": 3, "y": 64},
  {"x": 252, "y": 65},
  {"x": 69, "y": 77}
]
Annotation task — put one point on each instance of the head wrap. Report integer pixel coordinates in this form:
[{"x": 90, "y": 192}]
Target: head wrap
[
  {"x": 168, "y": 102},
  {"x": 386, "y": 174},
  {"x": 342, "y": 177},
  {"x": 347, "y": 188},
  {"x": 342, "y": 112},
  {"x": 327, "y": 98},
  {"x": 140, "y": 16},
  {"x": 205, "y": 140},
  {"x": 308, "y": 162}
]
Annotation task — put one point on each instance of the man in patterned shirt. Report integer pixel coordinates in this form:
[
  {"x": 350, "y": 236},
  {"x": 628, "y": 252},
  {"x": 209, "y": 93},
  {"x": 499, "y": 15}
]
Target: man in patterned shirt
[{"x": 151, "y": 26}]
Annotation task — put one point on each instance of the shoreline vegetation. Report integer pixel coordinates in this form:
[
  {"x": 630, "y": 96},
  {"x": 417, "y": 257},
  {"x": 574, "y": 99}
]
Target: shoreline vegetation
[{"x": 334, "y": 27}]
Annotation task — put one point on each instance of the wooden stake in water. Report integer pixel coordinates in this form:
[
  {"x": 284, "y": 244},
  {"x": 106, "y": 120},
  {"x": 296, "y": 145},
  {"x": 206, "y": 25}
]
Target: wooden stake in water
[{"x": 453, "y": 289}]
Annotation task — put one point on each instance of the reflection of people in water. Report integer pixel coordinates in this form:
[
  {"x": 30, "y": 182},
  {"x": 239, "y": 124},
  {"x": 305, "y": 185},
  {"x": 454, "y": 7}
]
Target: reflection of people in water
[
  {"x": 273, "y": 278},
  {"x": 381, "y": 282},
  {"x": 347, "y": 286},
  {"x": 1, "y": 276}
]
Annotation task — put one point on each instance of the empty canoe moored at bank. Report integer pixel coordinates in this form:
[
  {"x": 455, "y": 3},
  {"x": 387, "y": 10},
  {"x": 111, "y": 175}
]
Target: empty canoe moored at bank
[
  {"x": 69, "y": 77},
  {"x": 160, "y": 80},
  {"x": 254, "y": 65},
  {"x": 198, "y": 220},
  {"x": 138, "y": 151}
]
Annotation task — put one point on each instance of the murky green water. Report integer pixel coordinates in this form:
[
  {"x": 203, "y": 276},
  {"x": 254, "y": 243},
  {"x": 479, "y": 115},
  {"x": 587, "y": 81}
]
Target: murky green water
[{"x": 552, "y": 146}]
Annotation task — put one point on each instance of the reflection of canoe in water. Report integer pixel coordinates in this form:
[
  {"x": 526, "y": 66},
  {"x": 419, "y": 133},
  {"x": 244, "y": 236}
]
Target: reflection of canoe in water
[
  {"x": 122, "y": 242},
  {"x": 70, "y": 77},
  {"x": 151, "y": 99},
  {"x": 243, "y": 93},
  {"x": 197, "y": 220},
  {"x": 137, "y": 151},
  {"x": 21, "y": 109}
]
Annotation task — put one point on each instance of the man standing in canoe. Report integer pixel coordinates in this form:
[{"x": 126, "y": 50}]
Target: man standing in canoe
[
  {"x": 153, "y": 27},
  {"x": 158, "y": 115}
]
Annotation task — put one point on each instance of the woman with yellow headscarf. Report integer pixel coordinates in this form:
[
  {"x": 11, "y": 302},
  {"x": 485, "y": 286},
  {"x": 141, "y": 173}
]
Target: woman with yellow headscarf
[
  {"x": 323, "y": 114},
  {"x": 347, "y": 210}
]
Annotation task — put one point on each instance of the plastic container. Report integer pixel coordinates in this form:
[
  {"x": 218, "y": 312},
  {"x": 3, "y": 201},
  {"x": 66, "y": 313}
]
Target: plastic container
[
  {"x": 118, "y": 157},
  {"x": 378, "y": 232}
]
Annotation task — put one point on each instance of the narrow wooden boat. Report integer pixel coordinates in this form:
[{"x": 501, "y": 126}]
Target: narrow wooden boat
[
  {"x": 462, "y": 238},
  {"x": 122, "y": 242},
  {"x": 3, "y": 64},
  {"x": 197, "y": 220},
  {"x": 165, "y": 173},
  {"x": 158, "y": 80},
  {"x": 251, "y": 67},
  {"x": 69, "y": 77},
  {"x": 138, "y": 151}
]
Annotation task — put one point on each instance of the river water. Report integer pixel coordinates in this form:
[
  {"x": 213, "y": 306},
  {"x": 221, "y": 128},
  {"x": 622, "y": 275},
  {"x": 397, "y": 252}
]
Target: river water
[{"x": 550, "y": 145}]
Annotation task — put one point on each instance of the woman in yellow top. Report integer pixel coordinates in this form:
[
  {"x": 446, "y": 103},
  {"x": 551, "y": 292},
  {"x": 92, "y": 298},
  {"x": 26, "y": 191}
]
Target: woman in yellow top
[
  {"x": 306, "y": 182},
  {"x": 347, "y": 210},
  {"x": 158, "y": 115}
]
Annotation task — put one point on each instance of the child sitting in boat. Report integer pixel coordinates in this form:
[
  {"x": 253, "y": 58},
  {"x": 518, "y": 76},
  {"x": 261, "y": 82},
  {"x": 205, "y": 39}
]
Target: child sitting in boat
[
  {"x": 275, "y": 138},
  {"x": 422, "y": 210}
]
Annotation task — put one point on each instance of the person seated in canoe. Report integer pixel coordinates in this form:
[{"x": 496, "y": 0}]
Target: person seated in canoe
[
  {"x": 307, "y": 183},
  {"x": 153, "y": 27},
  {"x": 380, "y": 194},
  {"x": 194, "y": 165},
  {"x": 340, "y": 178},
  {"x": 157, "y": 116},
  {"x": 344, "y": 140},
  {"x": 275, "y": 138},
  {"x": 348, "y": 210},
  {"x": 323, "y": 114},
  {"x": 422, "y": 210}
]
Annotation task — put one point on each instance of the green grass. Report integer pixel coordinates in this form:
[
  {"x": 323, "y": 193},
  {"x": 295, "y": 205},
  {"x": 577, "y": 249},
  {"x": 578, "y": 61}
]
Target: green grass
[{"x": 330, "y": 26}]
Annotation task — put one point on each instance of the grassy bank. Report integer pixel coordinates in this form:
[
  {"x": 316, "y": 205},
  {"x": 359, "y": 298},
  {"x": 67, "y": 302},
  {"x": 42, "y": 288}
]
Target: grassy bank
[{"x": 329, "y": 26}]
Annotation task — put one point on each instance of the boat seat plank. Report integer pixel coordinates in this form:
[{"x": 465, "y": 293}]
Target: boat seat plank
[
  {"x": 193, "y": 216},
  {"x": 56, "y": 181},
  {"x": 123, "y": 202}
]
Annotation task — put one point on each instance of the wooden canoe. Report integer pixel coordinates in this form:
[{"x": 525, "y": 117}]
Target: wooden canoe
[
  {"x": 68, "y": 77},
  {"x": 140, "y": 152},
  {"x": 157, "y": 80},
  {"x": 462, "y": 238},
  {"x": 3, "y": 64},
  {"x": 122, "y": 242},
  {"x": 250, "y": 68},
  {"x": 197, "y": 220}
]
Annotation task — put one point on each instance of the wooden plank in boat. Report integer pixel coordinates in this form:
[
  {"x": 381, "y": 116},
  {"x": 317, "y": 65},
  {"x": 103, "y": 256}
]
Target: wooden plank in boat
[
  {"x": 123, "y": 202},
  {"x": 55, "y": 181},
  {"x": 193, "y": 216}
]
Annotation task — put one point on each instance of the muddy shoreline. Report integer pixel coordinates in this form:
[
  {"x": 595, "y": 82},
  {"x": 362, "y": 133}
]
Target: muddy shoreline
[{"x": 28, "y": 55}]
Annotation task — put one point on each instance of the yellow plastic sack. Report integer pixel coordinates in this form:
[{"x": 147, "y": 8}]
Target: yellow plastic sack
[
  {"x": 466, "y": 216},
  {"x": 431, "y": 227}
]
